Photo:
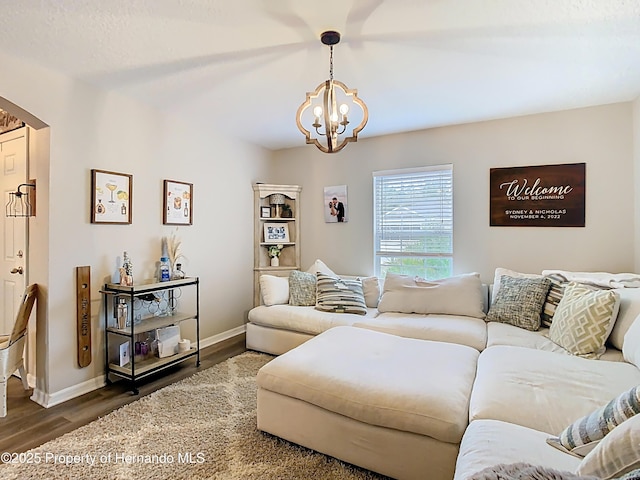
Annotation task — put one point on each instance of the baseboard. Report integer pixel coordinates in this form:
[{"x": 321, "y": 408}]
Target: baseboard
[
  {"x": 221, "y": 337},
  {"x": 50, "y": 400}
]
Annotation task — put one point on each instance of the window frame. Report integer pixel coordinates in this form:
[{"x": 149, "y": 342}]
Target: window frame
[{"x": 407, "y": 178}]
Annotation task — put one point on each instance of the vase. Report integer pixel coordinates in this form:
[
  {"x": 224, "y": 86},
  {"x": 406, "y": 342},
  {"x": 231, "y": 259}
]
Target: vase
[{"x": 275, "y": 262}]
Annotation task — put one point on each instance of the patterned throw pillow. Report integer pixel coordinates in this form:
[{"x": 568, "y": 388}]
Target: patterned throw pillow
[
  {"x": 584, "y": 319},
  {"x": 519, "y": 302},
  {"x": 302, "y": 288},
  {"x": 339, "y": 295},
  {"x": 556, "y": 291},
  {"x": 617, "y": 454},
  {"x": 584, "y": 434}
]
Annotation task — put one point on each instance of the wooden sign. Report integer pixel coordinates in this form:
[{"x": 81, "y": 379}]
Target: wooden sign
[
  {"x": 538, "y": 196},
  {"x": 83, "y": 314}
]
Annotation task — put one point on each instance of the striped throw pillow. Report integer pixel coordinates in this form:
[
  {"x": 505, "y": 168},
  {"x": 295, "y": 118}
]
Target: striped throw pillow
[
  {"x": 339, "y": 295},
  {"x": 584, "y": 434},
  {"x": 617, "y": 455},
  {"x": 558, "y": 283}
]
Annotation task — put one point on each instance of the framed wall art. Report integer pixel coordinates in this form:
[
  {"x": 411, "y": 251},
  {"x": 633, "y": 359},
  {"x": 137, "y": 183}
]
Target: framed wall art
[
  {"x": 265, "y": 212},
  {"x": 276, "y": 233},
  {"x": 538, "y": 196},
  {"x": 335, "y": 204},
  {"x": 178, "y": 203},
  {"x": 111, "y": 195}
]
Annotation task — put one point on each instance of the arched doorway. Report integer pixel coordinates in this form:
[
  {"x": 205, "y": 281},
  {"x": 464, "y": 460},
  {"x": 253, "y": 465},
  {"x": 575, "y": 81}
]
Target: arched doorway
[{"x": 36, "y": 136}]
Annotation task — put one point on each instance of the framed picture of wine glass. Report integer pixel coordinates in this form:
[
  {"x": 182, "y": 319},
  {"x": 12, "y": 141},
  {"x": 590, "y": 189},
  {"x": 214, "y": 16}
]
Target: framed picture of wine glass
[
  {"x": 111, "y": 195},
  {"x": 178, "y": 203}
]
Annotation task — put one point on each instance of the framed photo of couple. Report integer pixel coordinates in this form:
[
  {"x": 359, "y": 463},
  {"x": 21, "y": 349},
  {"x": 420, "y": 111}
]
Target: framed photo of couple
[{"x": 335, "y": 204}]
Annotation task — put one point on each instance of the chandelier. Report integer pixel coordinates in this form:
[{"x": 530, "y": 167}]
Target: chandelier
[{"x": 327, "y": 110}]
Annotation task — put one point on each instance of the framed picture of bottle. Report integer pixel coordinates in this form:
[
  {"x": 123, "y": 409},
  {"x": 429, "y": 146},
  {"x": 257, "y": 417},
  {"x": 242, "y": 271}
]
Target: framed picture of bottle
[
  {"x": 177, "y": 206},
  {"x": 111, "y": 195}
]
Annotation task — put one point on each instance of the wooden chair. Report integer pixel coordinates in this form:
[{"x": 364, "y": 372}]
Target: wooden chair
[{"x": 12, "y": 347}]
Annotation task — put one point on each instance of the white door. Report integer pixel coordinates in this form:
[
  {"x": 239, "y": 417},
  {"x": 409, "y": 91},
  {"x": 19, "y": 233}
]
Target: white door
[{"x": 13, "y": 172}]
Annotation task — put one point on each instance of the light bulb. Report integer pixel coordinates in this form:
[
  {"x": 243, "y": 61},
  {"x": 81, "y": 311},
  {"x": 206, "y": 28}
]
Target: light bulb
[
  {"x": 344, "y": 109},
  {"x": 317, "y": 111}
]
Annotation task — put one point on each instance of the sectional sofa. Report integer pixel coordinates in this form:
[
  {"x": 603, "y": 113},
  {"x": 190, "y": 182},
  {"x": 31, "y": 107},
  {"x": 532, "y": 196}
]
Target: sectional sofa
[{"x": 491, "y": 389}]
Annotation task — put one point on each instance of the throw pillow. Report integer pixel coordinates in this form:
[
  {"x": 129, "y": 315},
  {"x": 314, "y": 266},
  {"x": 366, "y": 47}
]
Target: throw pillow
[
  {"x": 302, "y": 288},
  {"x": 371, "y": 290},
  {"x": 584, "y": 319},
  {"x": 629, "y": 311},
  {"x": 631, "y": 346},
  {"x": 556, "y": 291},
  {"x": 320, "y": 266},
  {"x": 584, "y": 434},
  {"x": 499, "y": 272},
  {"x": 274, "y": 290},
  {"x": 458, "y": 295},
  {"x": 617, "y": 454},
  {"x": 339, "y": 295},
  {"x": 519, "y": 302}
]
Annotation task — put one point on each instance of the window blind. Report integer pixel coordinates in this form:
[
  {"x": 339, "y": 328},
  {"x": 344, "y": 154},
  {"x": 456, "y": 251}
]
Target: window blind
[{"x": 413, "y": 221}]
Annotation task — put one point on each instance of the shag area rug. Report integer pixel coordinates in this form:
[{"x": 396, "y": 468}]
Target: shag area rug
[{"x": 203, "y": 427}]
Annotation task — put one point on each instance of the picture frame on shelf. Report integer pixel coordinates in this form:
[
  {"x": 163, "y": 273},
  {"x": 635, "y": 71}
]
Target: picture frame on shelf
[
  {"x": 111, "y": 197},
  {"x": 265, "y": 212},
  {"x": 276, "y": 233},
  {"x": 177, "y": 205}
]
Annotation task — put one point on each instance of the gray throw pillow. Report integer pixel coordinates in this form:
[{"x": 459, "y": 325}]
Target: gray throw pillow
[
  {"x": 340, "y": 295},
  {"x": 519, "y": 302},
  {"x": 302, "y": 288}
]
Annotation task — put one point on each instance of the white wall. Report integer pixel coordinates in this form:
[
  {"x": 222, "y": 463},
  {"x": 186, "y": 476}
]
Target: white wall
[
  {"x": 89, "y": 129},
  {"x": 599, "y": 136}
]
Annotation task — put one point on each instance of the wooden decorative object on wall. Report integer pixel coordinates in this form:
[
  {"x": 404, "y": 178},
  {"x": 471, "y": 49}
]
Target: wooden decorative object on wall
[
  {"x": 9, "y": 122},
  {"x": 83, "y": 314},
  {"x": 538, "y": 196}
]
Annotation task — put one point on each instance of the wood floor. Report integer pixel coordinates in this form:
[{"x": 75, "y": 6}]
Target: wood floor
[{"x": 28, "y": 425}]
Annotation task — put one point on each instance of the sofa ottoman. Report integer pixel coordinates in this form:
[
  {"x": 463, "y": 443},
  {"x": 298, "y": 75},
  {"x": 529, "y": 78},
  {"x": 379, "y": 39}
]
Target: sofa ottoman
[{"x": 397, "y": 406}]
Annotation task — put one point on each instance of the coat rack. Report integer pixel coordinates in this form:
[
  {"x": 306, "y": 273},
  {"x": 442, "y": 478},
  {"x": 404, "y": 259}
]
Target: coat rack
[{"x": 22, "y": 203}]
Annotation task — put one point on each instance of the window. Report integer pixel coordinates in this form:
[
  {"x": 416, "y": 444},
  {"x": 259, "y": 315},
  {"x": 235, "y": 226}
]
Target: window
[{"x": 413, "y": 221}]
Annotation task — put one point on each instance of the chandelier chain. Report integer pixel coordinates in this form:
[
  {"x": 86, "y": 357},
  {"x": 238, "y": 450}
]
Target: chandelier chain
[{"x": 331, "y": 63}]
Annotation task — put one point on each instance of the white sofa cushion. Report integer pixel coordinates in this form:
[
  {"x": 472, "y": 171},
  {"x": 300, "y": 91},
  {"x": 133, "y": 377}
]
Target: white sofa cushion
[
  {"x": 274, "y": 290},
  {"x": 505, "y": 334},
  {"x": 468, "y": 331},
  {"x": 542, "y": 390},
  {"x": 320, "y": 267},
  {"x": 302, "y": 319},
  {"x": 401, "y": 383},
  {"x": 631, "y": 346},
  {"x": 371, "y": 290},
  {"x": 458, "y": 295},
  {"x": 584, "y": 319},
  {"x": 491, "y": 442},
  {"x": 628, "y": 312},
  {"x": 618, "y": 453}
]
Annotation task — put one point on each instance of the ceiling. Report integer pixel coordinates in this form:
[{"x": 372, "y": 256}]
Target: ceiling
[{"x": 243, "y": 67}]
